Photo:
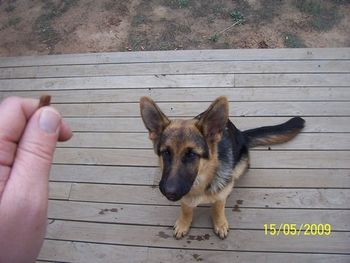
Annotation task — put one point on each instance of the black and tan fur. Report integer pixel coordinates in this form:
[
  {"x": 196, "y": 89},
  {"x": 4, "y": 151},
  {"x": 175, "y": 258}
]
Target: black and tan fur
[{"x": 201, "y": 157}]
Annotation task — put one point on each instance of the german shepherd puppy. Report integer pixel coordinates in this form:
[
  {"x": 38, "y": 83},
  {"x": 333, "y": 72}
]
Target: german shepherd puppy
[{"x": 201, "y": 157}]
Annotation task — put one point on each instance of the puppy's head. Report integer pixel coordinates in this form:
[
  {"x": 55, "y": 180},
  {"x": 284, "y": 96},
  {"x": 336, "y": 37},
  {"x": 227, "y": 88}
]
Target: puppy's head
[{"x": 181, "y": 144}]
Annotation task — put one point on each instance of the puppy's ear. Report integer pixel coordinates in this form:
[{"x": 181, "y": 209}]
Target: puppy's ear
[
  {"x": 213, "y": 121},
  {"x": 153, "y": 118}
]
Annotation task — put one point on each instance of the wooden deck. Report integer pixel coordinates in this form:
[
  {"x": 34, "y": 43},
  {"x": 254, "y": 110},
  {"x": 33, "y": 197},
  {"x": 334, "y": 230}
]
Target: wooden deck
[{"x": 104, "y": 204}]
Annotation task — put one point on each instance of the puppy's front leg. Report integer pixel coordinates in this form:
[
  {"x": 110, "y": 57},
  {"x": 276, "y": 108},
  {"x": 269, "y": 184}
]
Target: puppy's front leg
[
  {"x": 220, "y": 223},
  {"x": 183, "y": 223}
]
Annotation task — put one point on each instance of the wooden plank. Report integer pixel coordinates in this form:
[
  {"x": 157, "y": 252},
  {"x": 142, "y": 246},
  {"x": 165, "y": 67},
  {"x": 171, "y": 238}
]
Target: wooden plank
[
  {"x": 171, "y": 81},
  {"x": 59, "y": 190},
  {"x": 249, "y": 197},
  {"x": 74, "y": 251},
  {"x": 176, "y": 109},
  {"x": 259, "y": 159},
  {"x": 191, "y": 94},
  {"x": 243, "y": 240},
  {"x": 305, "y": 141},
  {"x": 246, "y": 80},
  {"x": 239, "y": 218},
  {"x": 327, "y": 66},
  {"x": 294, "y": 178},
  {"x": 185, "y": 55},
  {"x": 298, "y": 178},
  {"x": 90, "y": 252},
  {"x": 104, "y": 174},
  {"x": 110, "y": 124},
  {"x": 300, "y": 159},
  {"x": 120, "y": 82}
]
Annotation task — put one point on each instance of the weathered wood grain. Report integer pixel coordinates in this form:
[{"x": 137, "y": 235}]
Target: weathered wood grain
[
  {"x": 297, "y": 178},
  {"x": 238, "y": 218},
  {"x": 59, "y": 190},
  {"x": 68, "y": 251},
  {"x": 326, "y": 66},
  {"x": 191, "y": 94},
  {"x": 259, "y": 159},
  {"x": 185, "y": 55},
  {"x": 191, "y": 109},
  {"x": 306, "y": 141},
  {"x": 110, "y": 124},
  {"x": 242, "y": 240},
  {"x": 250, "y": 197},
  {"x": 173, "y": 81}
]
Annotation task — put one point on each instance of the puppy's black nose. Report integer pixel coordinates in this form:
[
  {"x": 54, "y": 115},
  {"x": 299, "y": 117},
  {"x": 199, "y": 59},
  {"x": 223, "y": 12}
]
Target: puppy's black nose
[{"x": 170, "y": 190}]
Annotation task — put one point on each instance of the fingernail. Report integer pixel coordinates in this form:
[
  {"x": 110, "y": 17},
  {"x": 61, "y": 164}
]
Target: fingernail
[{"x": 49, "y": 120}]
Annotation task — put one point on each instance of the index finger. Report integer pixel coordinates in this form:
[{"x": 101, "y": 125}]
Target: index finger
[{"x": 15, "y": 112}]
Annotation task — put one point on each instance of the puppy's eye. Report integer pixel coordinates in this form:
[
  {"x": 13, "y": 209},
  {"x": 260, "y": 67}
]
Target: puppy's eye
[
  {"x": 190, "y": 155},
  {"x": 166, "y": 153}
]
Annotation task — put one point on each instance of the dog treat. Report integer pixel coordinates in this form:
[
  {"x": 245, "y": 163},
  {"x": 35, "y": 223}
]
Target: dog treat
[{"x": 44, "y": 101}]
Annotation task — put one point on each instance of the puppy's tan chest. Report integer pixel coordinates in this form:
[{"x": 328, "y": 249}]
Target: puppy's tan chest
[
  {"x": 194, "y": 198},
  {"x": 207, "y": 198}
]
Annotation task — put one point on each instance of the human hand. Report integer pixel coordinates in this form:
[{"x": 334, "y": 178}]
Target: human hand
[{"x": 28, "y": 137}]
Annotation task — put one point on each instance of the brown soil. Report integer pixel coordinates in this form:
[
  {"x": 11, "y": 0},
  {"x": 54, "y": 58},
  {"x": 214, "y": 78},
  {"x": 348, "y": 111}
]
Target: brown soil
[{"x": 78, "y": 26}]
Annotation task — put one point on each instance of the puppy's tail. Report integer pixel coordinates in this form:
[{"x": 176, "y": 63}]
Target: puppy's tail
[{"x": 268, "y": 135}]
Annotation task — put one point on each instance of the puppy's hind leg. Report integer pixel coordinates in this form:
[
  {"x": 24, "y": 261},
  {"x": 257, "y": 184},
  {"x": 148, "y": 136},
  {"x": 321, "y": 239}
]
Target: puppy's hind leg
[
  {"x": 183, "y": 223},
  {"x": 220, "y": 223}
]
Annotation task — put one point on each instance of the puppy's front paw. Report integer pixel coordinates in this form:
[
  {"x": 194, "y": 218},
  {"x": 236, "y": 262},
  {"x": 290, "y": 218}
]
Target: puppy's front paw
[
  {"x": 221, "y": 228},
  {"x": 181, "y": 228}
]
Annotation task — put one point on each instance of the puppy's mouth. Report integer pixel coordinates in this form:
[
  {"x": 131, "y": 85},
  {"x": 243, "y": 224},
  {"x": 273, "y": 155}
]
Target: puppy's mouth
[
  {"x": 173, "y": 197},
  {"x": 170, "y": 195}
]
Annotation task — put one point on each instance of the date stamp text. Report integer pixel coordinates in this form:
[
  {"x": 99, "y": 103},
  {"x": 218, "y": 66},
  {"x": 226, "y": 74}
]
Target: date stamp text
[{"x": 297, "y": 229}]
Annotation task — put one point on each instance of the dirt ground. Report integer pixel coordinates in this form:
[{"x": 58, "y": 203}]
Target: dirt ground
[{"x": 30, "y": 27}]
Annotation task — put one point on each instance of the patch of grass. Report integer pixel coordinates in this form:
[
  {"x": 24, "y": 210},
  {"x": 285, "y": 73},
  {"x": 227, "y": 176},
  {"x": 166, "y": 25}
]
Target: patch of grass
[
  {"x": 176, "y": 3},
  {"x": 13, "y": 21},
  {"x": 292, "y": 41},
  {"x": 52, "y": 10},
  {"x": 164, "y": 46},
  {"x": 325, "y": 21},
  {"x": 182, "y": 3},
  {"x": 167, "y": 39},
  {"x": 308, "y": 6},
  {"x": 10, "y": 7},
  {"x": 237, "y": 16},
  {"x": 136, "y": 42},
  {"x": 138, "y": 20},
  {"x": 323, "y": 15},
  {"x": 218, "y": 10},
  {"x": 214, "y": 38},
  {"x": 186, "y": 29}
]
